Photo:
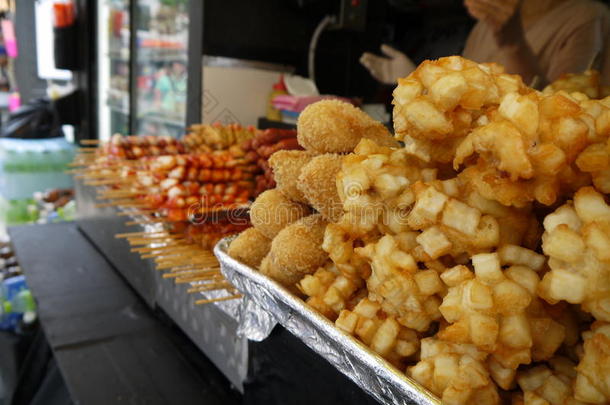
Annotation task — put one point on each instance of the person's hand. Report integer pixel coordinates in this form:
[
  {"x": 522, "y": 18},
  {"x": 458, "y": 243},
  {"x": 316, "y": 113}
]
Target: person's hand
[
  {"x": 387, "y": 70},
  {"x": 502, "y": 16}
]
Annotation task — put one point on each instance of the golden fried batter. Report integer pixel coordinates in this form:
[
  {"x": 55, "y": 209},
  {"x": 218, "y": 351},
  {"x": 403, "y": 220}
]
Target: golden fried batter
[
  {"x": 318, "y": 184},
  {"x": 272, "y": 211},
  {"x": 332, "y": 126},
  {"x": 286, "y": 165},
  {"x": 296, "y": 251},
  {"x": 250, "y": 247}
]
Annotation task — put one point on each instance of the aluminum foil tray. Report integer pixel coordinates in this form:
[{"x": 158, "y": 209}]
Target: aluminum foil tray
[{"x": 266, "y": 303}]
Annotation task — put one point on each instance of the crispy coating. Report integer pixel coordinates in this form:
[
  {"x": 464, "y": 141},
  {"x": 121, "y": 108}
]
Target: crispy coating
[
  {"x": 318, "y": 184},
  {"x": 332, "y": 126},
  {"x": 250, "y": 247},
  {"x": 272, "y": 211},
  {"x": 296, "y": 251},
  {"x": 287, "y": 165}
]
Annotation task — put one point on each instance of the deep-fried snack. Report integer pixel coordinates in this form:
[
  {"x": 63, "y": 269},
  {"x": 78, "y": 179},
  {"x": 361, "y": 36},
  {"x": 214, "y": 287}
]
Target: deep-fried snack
[
  {"x": 272, "y": 211},
  {"x": 544, "y": 385},
  {"x": 287, "y": 165},
  {"x": 442, "y": 100},
  {"x": 592, "y": 385},
  {"x": 455, "y": 372},
  {"x": 250, "y": 247},
  {"x": 577, "y": 241},
  {"x": 317, "y": 183},
  {"x": 587, "y": 82},
  {"x": 491, "y": 309},
  {"x": 402, "y": 290},
  {"x": 296, "y": 251},
  {"x": 383, "y": 334},
  {"x": 329, "y": 291},
  {"x": 333, "y": 126},
  {"x": 373, "y": 185}
]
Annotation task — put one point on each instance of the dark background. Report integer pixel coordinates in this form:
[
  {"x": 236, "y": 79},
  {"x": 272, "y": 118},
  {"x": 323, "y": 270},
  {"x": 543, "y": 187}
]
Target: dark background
[{"x": 279, "y": 31}]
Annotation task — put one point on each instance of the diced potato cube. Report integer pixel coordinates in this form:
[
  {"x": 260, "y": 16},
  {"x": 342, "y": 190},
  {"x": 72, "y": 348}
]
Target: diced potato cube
[
  {"x": 406, "y": 348},
  {"x": 428, "y": 206},
  {"x": 563, "y": 215},
  {"x": 389, "y": 186},
  {"x": 563, "y": 244},
  {"x": 597, "y": 238},
  {"x": 406, "y": 91},
  {"x": 487, "y": 268},
  {"x": 461, "y": 217},
  {"x": 510, "y": 297},
  {"x": 451, "y": 308},
  {"x": 310, "y": 285},
  {"x": 446, "y": 369},
  {"x": 594, "y": 158},
  {"x": 515, "y": 331},
  {"x": 366, "y": 329},
  {"x": 512, "y": 254},
  {"x": 554, "y": 390},
  {"x": 524, "y": 276},
  {"x": 585, "y": 391},
  {"x": 590, "y": 205},
  {"x": 385, "y": 337},
  {"x": 347, "y": 321},
  {"x": 533, "y": 378},
  {"x": 547, "y": 335},
  {"x": 566, "y": 285},
  {"x": 367, "y": 308},
  {"x": 424, "y": 116},
  {"x": 478, "y": 296},
  {"x": 601, "y": 180},
  {"x": 504, "y": 377},
  {"x": 422, "y": 372},
  {"x": 484, "y": 329},
  {"x": 434, "y": 242},
  {"x": 521, "y": 110},
  {"x": 447, "y": 91},
  {"x": 456, "y": 275},
  {"x": 531, "y": 398},
  {"x": 428, "y": 282}
]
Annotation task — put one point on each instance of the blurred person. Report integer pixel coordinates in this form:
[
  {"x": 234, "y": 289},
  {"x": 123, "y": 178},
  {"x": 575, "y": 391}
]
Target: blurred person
[
  {"x": 537, "y": 39},
  {"x": 170, "y": 87}
]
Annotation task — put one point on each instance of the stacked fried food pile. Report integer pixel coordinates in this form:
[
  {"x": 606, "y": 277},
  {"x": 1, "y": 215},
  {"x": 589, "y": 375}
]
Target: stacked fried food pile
[
  {"x": 207, "y": 138},
  {"x": 264, "y": 144},
  {"x": 476, "y": 256},
  {"x": 587, "y": 83},
  {"x": 183, "y": 187},
  {"x": 135, "y": 147}
]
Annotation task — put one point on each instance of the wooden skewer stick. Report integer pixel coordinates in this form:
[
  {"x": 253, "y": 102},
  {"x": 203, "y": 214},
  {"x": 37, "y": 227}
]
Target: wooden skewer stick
[
  {"x": 186, "y": 273},
  {"x": 139, "y": 212},
  {"x": 141, "y": 240},
  {"x": 192, "y": 279},
  {"x": 121, "y": 203},
  {"x": 209, "y": 301},
  {"x": 145, "y": 221},
  {"x": 189, "y": 260},
  {"x": 183, "y": 264},
  {"x": 168, "y": 253},
  {"x": 210, "y": 287},
  {"x": 89, "y": 141},
  {"x": 150, "y": 235},
  {"x": 144, "y": 241},
  {"x": 166, "y": 246}
]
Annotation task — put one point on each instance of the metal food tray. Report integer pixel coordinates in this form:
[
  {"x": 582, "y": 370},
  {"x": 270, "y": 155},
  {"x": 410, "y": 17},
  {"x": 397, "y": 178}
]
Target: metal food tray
[
  {"x": 367, "y": 369},
  {"x": 211, "y": 327}
]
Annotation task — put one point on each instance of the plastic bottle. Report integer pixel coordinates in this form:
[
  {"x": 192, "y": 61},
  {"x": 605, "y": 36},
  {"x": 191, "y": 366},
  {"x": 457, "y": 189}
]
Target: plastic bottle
[{"x": 279, "y": 88}]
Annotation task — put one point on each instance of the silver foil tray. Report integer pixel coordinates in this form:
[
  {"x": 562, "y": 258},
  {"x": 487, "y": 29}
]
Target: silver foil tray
[{"x": 274, "y": 302}]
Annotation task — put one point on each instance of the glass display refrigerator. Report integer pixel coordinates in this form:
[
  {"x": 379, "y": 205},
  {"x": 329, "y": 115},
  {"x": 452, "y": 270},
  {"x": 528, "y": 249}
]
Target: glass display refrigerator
[{"x": 149, "y": 65}]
